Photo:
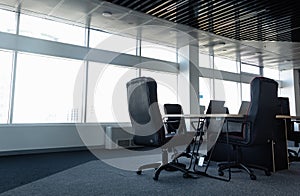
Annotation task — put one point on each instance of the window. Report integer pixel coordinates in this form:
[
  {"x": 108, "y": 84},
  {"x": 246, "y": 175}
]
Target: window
[
  {"x": 250, "y": 69},
  {"x": 166, "y": 86},
  {"x": 230, "y": 93},
  {"x": 271, "y": 73},
  {"x": 45, "y": 89},
  {"x": 51, "y": 30},
  {"x": 157, "y": 51},
  {"x": 225, "y": 65},
  {"x": 8, "y": 21},
  {"x": 5, "y": 83},
  {"x": 204, "y": 60},
  {"x": 107, "y": 92},
  {"x": 246, "y": 94},
  {"x": 111, "y": 42},
  {"x": 205, "y": 91}
]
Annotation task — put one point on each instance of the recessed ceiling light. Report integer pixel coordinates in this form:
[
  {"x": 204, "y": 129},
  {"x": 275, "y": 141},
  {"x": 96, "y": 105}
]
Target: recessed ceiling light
[{"x": 107, "y": 14}]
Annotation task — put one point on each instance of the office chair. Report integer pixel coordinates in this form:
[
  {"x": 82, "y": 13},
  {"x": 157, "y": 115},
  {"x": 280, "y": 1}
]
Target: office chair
[
  {"x": 147, "y": 123},
  {"x": 174, "y": 124},
  {"x": 256, "y": 128},
  {"x": 291, "y": 134},
  {"x": 177, "y": 125}
]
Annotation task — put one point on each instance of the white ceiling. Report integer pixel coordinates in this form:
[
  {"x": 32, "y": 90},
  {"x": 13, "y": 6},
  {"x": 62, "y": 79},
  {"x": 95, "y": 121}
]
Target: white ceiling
[{"x": 281, "y": 55}]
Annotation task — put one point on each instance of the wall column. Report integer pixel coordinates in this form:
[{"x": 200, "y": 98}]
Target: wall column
[{"x": 188, "y": 78}]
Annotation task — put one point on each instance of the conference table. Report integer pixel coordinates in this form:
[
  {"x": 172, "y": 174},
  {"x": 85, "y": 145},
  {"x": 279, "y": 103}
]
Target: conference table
[
  {"x": 205, "y": 138},
  {"x": 293, "y": 119}
]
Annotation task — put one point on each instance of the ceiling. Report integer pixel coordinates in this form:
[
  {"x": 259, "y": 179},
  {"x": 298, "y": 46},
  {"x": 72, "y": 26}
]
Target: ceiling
[
  {"x": 259, "y": 20},
  {"x": 259, "y": 32}
]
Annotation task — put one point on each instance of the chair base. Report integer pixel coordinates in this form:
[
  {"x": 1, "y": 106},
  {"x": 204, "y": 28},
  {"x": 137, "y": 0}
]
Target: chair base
[
  {"x": 174, "y": 165},
  {"x": 224, "y": 166},
  {"x": 293, "y": 155}
]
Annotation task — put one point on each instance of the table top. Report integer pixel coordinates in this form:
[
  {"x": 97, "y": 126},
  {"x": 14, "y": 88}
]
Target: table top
[
  {"x": 288, "y": 116},
  {"x": 204, "y": 115}
]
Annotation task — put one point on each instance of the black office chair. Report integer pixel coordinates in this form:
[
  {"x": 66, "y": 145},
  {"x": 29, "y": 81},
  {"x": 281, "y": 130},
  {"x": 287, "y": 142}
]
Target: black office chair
[
  {"x": 292, "y": 134},
  {"x": 174, "y": 124},
  {"x": 148, "y": 126},
  {"x": 256, "y": 128}
]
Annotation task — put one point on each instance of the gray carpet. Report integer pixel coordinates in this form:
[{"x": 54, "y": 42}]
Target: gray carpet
[{"x": 97, "y": 178}]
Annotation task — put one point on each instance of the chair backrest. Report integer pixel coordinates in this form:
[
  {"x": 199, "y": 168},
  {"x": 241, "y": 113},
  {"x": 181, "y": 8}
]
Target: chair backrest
[
  {"x": 216, "y": 107},
  {"x": 262, "y": 110},
  {"x": 202, "y": 109},
  {"x": 244, "y": 107},
  {"x": 144, "y": 112},
  {"x": 174, "y": 124}
]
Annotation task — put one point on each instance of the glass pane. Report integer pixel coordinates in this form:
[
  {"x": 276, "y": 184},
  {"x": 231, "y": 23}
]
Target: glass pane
[
  {"x": 5, "y": 83},
  {"x": 107, "y": 92},
  {"x": 246, "y": 94},
  {"x": 45, "y": 88},
  {"x": 229, "y": 92},
  {"x": 51, "y": 30},
  {"x": 250, "y": 69},
  {"x": 157, "y": 51},
  {"x": 115, "y": 43},
  {"x": 7, "y": 21},
  {"x": 271, "y": 73},
  {"x": 225, "y": 65},
  {"x": 204, "y": 60},
  {"x": 205, "y": 91}
]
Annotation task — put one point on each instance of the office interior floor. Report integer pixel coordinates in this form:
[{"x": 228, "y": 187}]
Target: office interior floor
[{"x": 82, "y": 173}]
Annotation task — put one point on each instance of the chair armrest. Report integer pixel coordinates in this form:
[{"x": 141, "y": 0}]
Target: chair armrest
[
  {"x": 235, "y": 125},
  {"x": 238, "y": 131}
]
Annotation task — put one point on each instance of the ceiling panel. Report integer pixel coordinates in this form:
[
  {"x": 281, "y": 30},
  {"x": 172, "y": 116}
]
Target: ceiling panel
[
  {"x": 41, "y": 7},
  {"x": 74, "y": 9}
]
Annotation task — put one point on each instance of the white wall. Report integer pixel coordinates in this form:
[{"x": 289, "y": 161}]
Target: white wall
[{"x": 49, "y": 136}]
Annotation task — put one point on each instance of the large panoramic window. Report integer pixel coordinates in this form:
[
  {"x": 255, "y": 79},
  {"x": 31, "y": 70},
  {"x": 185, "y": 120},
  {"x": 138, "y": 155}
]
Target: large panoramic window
[
  {"x": 225, "y": 65},
  {"x": 107, "y": 92},
  {"x": 46, "y": 90},
  {"x": 205, "y": 96},
  {"x": 204, "y": 60},
  {"x": 7, "y": 21},
  {"x": 51, "y": 30},
  {"x": 111, "y": 42},
  {"x": 230, "y": 93},
  {"x": 246, "y": 94},
  {"x": 246, "y": 68},
  {"x": 157, "y": 51},
  {"x": 271, "y": 73},
  {"x": 5, "y": 83}
]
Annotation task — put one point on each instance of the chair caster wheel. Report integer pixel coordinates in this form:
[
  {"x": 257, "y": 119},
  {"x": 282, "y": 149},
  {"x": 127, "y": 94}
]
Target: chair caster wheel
[
  {"x": 253, "y": 177},
  {"x": 221, "y": 173},
  {"x": 268, "y": 173},
  {"x": 139, "y": 172}
]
